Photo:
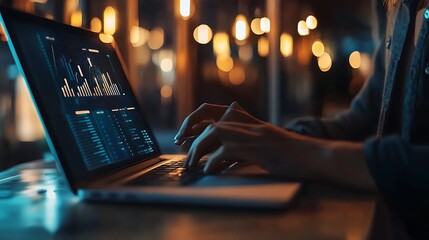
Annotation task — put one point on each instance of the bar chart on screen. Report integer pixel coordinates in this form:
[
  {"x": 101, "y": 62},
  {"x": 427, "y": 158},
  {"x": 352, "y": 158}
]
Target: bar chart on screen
[
  {"x": 81, "y": 71},
  {"x": 95, "y": 84}
]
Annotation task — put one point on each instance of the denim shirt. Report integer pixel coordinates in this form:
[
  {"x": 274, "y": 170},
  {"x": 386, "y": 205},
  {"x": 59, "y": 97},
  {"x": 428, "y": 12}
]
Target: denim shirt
[{"x": 399, "y": 161}]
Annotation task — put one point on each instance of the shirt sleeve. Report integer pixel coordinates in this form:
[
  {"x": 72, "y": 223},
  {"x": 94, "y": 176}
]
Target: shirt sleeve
[
  {"x": 400, "y": 171},
  {"x": 360, "y": 121}
]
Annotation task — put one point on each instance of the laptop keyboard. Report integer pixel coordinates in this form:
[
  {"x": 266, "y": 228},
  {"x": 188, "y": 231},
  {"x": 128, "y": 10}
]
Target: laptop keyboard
[{"x": 171, "y": 173}]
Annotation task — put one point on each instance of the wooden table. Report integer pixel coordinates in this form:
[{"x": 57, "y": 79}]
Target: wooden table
[{"x": 35, "y": 204}]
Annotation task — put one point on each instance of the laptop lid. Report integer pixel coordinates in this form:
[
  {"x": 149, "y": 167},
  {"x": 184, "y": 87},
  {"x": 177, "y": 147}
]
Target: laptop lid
[{"x": 92, "y": 120}]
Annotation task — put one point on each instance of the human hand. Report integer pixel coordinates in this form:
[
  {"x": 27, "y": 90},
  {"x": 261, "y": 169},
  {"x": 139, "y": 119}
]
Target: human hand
[
  {"x": 233, "y": 135},
  {"x": 275, "y": 149},
  {"x": 208, "y": 114}
]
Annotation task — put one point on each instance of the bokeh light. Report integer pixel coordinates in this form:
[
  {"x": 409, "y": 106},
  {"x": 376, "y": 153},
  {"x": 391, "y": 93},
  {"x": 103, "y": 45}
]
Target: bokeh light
[
  {"x": 203, "y": 34},
  {"x": 166, "y": 91},
  {"x": 286, "y": 44},
  {"x": 138, "y": 36},
  {"x": 318, "y": 48},
  {"x": 311, "y": 22},
  {"x": 263, "y": 47},
  {"x": 265, "y": 24},
  {"x": 237, "y": 76},
  {"x": 255, "y": 25},
  {"x": 96, "y": 25},
  {"x": 156, "y": 38},
  {"x": 224, "y": 63},
  {"x": 324, "y": 62},
  {"x": 302, "y": 28},
  {"x": 241, "y": 28},
  {"x": 185, "y": 8},
  {"x": 166, "y": 64},
  {"x": 355, "y": 59},
  {"x": 106, "y": 38},
  {"x": 76, "y": 19},
  {"x": 109, "y": 20},
  {"x": 221, "y": 44}
]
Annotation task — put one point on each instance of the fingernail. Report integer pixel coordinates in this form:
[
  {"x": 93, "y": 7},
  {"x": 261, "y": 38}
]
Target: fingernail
[{"x": 179, "y": 142}]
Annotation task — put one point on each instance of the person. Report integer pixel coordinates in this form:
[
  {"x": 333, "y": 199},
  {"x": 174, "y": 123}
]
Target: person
[{"x": 381, "y": 143}]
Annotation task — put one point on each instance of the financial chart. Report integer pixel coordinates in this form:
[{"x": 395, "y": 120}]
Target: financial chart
[
  {"x": 86, "y": 72},
  {"x": 105, "y": 124}
]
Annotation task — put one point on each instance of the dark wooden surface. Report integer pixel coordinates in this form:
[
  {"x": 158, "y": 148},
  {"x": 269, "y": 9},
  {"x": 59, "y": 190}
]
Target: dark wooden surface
[{"x": 35, "y": 204}]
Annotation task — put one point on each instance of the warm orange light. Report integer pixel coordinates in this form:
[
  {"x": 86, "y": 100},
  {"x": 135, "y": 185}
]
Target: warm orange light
[
  {"x": 76, "y": 19},
  {"x": 203, "y": 34},
  {"x": 138, "y": 36},
  {"x": 286, "y": 44},
  {"x": 263, "y": 47},
  {"x": 134, "y": 34},
  {"x": 366, "y": 64},
  {"x": 185, "y": 8},
  {"x": 224, "y": 63},
  {"x": 166, "y": 65},
  {"x": 311, "y": 22},
  {"x": 302, "y": 28},
  {"x": 71, "y": 5},
  {"x": 2, "y": 33},
  {"x": 106, "y": 38},
  {"x": 156, "y": 38},
  {"x": 161, "y": 55},
  {"x": 109, "y": 20},
  {"x": 318, "y": 48},
  {"x": 96, "y": 25},
  {"x": 28, "y": 126},
  {"x": 355, "y": 59},
  {"x": 324, "y": 62},
  {"x": 255, "y": 25},
  {"x": 166, "y": 91},
  {"x": 237, "y": 76},
  {"x": 265, "y": 24},
  {"x": 221, "y": 44},
  {"x": 241, "y": 28}
]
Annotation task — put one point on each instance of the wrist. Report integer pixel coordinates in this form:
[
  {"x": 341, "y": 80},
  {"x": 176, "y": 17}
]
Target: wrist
[
  {"x": 344, "y": 163},
  {"x": 322, "y": 160},
  {"x": 315, "y": 155}
]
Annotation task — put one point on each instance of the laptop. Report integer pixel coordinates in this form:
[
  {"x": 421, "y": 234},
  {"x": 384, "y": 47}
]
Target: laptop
[{"x": 98, "y": 133}]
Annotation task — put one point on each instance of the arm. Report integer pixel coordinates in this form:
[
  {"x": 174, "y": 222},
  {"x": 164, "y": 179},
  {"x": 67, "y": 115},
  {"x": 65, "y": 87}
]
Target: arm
[
  {"x": 397, "y": 168},
  {"x": 396, "y": 165},
  {"x": 282, "y": 152}
]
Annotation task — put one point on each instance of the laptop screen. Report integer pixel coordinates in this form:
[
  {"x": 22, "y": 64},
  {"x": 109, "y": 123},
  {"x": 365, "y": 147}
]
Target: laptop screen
[{"x": 82, "y": 93}]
